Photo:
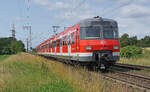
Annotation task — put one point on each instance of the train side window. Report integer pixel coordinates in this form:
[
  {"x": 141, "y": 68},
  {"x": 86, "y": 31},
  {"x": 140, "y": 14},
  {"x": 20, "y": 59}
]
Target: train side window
[
  {"x": 50, "y": 45},
  {"x": 73, "y": 38},
  {"x": 65, "y": 41},
  {"x": 46, "y": 46},
  {"x": 77, "y": 34},
  {"x": 54, "y": 43},
  {"x": 69, "y": 40},
  {"x": 58, "y": 43}
]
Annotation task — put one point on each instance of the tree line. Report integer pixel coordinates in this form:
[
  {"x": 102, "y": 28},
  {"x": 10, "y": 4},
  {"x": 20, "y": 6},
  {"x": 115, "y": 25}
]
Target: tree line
[
  {"x": 125, "y": 40},
  {"x": 11, "y": 46}
]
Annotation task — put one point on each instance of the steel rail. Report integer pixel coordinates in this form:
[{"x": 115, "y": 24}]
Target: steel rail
[
  {"x": 134, "y": 80},
  {"x": 138, "y": 67}
]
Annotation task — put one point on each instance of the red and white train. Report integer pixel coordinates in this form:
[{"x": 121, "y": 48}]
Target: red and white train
[{"x": 91, "y": 41}]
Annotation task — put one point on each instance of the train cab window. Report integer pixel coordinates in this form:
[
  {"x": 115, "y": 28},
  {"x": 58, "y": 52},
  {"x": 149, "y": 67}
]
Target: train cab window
[
  {"x": 110, "y": 34},
  {"x": 73, "y": 38}
]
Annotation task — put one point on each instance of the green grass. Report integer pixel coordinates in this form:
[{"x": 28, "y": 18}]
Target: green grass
[
  {"x": 2, "y": 57},
  {"x": 29, "y": 73},
  {"x": 31, "y": 77}
]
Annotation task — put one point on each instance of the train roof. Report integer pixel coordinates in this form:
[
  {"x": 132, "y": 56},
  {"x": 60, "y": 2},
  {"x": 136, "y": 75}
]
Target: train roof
[{"x": 87, "y": 22}]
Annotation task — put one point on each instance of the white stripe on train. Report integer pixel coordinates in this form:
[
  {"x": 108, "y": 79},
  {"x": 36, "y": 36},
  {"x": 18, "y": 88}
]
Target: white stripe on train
[{"x": 77, "y": 54}]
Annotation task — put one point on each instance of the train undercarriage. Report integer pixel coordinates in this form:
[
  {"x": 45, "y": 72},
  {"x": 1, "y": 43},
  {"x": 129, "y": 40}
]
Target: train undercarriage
[{"x": 100, "y": 60}]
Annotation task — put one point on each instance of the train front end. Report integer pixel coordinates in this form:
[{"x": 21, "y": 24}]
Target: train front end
[{"x": 99, "y": 41}]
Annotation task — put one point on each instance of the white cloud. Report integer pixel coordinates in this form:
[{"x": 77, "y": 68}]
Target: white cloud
[
  {"x": 53, "y": 5},
  {"x": 132, "y": 15},
  {"x": 121, "y": 1},
  {"x": 59, "y": 5},
  {"x": 133, "y": 26},
  {"x": 135, "y": 11},
  {"x": 41, "y": 2},
  {"x": 116, "y": 1},
  {"x": 75, "y": 16}
]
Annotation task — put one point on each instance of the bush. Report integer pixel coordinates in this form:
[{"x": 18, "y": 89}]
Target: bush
[{"x": 130, "y": 51}]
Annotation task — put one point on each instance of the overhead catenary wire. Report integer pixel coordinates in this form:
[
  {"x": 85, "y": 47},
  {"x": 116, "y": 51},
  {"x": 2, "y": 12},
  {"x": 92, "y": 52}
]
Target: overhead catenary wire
[
  {"x": 73, "y": 9},
  {"x": 55, "y": 28},
  {"x": 107, "y": 13},
  {"x": 113, "y": 10}
]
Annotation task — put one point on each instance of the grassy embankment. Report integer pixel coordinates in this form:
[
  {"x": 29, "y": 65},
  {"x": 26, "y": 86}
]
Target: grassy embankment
[
  {"x": 143, "y": 59},
  {"x": 28, "y": 73},
  {"x": 2, "y": 57}
]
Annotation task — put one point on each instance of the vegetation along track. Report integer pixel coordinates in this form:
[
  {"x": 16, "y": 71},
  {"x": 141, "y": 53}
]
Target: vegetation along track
[
  {"x": 129, "y": 79},
  {"x": 130, "y": 66}
]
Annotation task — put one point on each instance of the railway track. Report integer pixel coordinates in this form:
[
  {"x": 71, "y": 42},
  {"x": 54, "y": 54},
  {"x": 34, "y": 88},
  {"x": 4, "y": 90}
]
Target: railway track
[
  {"x": 130, "y": 79},
  {"x": 130, "y": 66}
]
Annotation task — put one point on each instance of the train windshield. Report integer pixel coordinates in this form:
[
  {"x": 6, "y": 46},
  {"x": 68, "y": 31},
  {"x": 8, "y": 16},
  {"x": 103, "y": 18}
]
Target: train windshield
[
  {"x": 90, "y": 33},
  {"x": 111, "y": 33},
  {"x": 98, "y": 33}
]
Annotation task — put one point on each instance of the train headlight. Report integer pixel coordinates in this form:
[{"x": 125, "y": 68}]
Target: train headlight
[
  {"x": 116, "y": 47},
  {"x": 88, "y": 47}
]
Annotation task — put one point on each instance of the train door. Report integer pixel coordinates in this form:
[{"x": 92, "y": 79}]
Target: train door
[
  {"x": 69, "y": 44},
  {"x": 51, "y": 46},
  {"x": 77, "y": 40},
  {"x": 73, "y": 42},
  {"x": 55, "y": 47}
]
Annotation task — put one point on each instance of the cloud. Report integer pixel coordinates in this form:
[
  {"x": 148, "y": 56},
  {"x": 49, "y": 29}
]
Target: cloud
[
  {"x": 59, "y": 5},
  {"x": 132, "y": 15},
  {"x": 135, "y": 11},
  {"x": 53, "y": 5},
  {"x": 133, "y": 26},
  {"x": 121, "y": 1},
  {"x": 41, "y": 2},
  {"x": 75, "y": 16}
]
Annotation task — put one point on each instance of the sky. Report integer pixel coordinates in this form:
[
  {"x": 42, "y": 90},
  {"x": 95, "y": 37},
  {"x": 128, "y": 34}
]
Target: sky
[{"x": 133, "y": 16}]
